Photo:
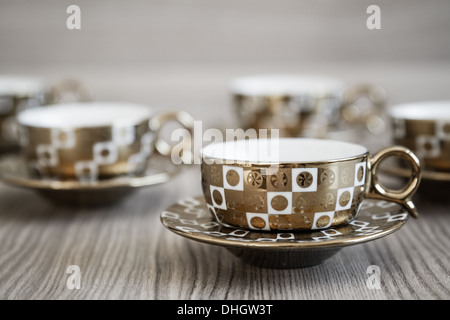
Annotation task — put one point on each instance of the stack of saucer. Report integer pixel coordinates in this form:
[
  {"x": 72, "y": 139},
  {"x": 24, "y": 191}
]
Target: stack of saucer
[{"x": 292, "y": 202}]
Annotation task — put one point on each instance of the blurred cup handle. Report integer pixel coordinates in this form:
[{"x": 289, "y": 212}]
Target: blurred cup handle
[
  {"x": 68, "y": 90},
  {"x": 371, "y": 119},
  {"x": 158, "y": 121}
]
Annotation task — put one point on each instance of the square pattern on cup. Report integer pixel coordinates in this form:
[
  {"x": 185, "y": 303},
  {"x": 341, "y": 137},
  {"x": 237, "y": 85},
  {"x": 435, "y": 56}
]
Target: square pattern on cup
[
  {"x": 86, "y": 171},
  {"x": 428, "y": 146},
  {"x": 360, "y": 174},
  {"x": 218, "y": 197},
  {"x": 304, "y": 179},
  {"x": 322, "y": 220},
  {"x": 233, "y": 178},
  {"x": 315, "y": 195},
  {"x": 279, "y": 202},
  {"x": 62, "y": 139},
  {"x": 258, "y": 221},
  {"x": 105, "y": 152}
]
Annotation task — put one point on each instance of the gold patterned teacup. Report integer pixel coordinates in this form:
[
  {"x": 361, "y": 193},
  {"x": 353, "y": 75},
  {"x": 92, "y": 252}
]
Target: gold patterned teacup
[
  {"x": 91, "y": 141},
  {"x": 296, "y": 183},
  {"x": 305, "y": 105},
  {"x": 18, "y": 93},
  {"x": 424, "y": 127}
]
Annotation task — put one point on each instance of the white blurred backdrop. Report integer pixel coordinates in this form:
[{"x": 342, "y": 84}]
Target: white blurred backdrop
[{"x": 181, "y": 54}]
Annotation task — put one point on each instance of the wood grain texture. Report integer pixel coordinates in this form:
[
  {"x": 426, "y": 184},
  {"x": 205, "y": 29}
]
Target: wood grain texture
[
  {"x": 181, "y": 56},
  {"x": 124, "y": 252}
]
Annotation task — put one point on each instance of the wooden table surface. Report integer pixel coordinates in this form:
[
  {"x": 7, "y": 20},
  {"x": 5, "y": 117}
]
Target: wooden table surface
[{"x": 124, "y": 252}]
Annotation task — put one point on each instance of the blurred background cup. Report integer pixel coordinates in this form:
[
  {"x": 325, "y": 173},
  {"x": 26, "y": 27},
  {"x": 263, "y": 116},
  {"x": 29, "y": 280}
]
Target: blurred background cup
[
  {"x": 18, "y": 93},
  {"x": 306, "y": 105},
  {"x": 92, "y": 141},
  {"x": 424, "y": 127}
]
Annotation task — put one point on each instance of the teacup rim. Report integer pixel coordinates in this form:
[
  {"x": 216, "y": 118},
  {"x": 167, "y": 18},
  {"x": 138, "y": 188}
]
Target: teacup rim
[
  {"x": 129, "y": 121},
  {"x": 236, "y": 85},
  {"x": 21, "y": 85},
  {"x": 281, "y": 163},
  {"x": 395, "y": 112}
]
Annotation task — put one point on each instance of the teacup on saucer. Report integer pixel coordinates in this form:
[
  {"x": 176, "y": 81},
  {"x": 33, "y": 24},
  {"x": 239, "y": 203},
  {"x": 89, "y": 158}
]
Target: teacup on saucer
[
  {"x": 296, "y": 183},
  {"x": 93, "y": 141},
  {"x": 424, "y": 127}
]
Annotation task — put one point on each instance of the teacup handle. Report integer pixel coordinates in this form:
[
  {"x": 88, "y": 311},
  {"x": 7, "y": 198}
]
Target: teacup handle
[
  {"x": 372, "y": 120},
  {"x": 58, "y": 90},
  {"x": 158, "y": 121},
  {"x": 402, "y": 196}
]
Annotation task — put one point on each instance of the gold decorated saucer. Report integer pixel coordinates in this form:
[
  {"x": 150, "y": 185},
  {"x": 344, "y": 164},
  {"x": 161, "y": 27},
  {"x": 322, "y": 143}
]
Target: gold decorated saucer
[
  {"x": 15, "y": 171},
  {"x": 190, "y": 218}
]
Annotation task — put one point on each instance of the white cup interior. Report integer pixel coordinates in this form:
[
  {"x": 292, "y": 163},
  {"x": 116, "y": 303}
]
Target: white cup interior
[
  {"x": 283, "y": 150},
  {"x": 429, "y": 110},
  {"x": 81, "y": 115},
  {"x": 286, "y": 84},
  {"x": 21, "y": 85}
]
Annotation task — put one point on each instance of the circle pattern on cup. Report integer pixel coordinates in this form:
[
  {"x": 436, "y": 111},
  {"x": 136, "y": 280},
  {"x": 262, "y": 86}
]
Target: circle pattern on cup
[
  {"x": 217, "y": 196},
  {"x": 304, "y": 179},
  {"x": 232, "y": 178},
  {"x": 279, "y": 180},
  {"x": 344, "y": 198},
  {"x": 258, "y": 222},
  {"x": 255, "y": 179},
  {"x": 323, "y": 221},
  {"x": 327, "y": 177},
  {"x": 360, "y": 174},
  {"x": 279, "y": 203}
]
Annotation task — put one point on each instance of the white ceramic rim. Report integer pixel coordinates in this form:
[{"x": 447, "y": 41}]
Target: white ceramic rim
[
  {"x": 21, "y": 85},
  {"x": 426, "y": 110},
  {"x": 288, "y": 150},
  {"x": 286, "y": 85},
  {"x": 85, "y": 115}
]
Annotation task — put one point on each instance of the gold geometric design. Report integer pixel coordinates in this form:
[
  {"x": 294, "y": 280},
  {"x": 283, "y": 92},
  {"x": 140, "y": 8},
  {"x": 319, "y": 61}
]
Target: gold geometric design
[
  {"x": 322, "y": 221},
  {"x": 215, "y": 174},
  {"x": 255, "y": 179},
  {"x": 217, "y": 197},
  {"x": 257, "y": 222},
  {"x": 327, "y": 177},
  {"x": 255, "y": 202},
  {"x": 294, "y": 198},
  {"x": 328, "y": 201},
  {"x": 346, "y": 177},
  {"x": 302, "y": 203},
  {"x": 360, "y": 174},
  {"x": 304, "y": 179},
  {"x": 279, "y": 180},
  {"x": 279, "y": 203},
  {"x": 344, "y": 198}
]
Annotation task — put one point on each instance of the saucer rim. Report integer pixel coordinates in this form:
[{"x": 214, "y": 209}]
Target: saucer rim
[
  {"x": 333, "y": 243},
  {"x": 117, "y": 182}
]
